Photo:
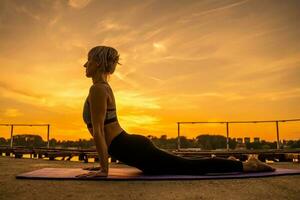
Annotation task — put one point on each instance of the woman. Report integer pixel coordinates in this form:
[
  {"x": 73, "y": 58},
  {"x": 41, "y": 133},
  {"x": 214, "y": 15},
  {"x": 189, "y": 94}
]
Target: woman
[{"x": 136, "y": 150}]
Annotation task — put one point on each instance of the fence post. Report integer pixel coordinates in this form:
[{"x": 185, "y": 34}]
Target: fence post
[
  {"x": 227, "y": 137},
  {"x": 277, "y": 130},
  {"x": 178, "y": 139},
  {"x": 11, "y": 136},
  {"x": 48, "y": 133}
]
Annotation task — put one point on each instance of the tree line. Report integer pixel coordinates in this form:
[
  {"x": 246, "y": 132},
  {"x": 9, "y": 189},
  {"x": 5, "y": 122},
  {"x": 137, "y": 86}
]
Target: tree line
[{"x": 204, "y": 142}]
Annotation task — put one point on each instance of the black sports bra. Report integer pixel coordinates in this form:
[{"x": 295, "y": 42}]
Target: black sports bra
[{"x": 111, "y": 115}]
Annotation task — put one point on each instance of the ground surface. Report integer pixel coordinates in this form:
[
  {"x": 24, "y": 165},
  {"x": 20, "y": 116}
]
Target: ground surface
[{"x": 282, "y": 187}]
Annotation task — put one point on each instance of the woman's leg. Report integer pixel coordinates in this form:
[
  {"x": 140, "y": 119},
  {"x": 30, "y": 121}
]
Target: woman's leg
[
  {"x": 140, "y": 152},
  {"x": 162, "y": 162}
]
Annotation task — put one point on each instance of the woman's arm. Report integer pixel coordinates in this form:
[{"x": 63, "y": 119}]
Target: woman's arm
[
  {"x": 98, "y": 104},
  {"x": 91, "y": 131}
]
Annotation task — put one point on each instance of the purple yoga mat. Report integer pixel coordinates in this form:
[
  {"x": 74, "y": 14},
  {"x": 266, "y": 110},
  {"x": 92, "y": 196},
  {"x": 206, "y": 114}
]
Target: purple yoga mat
[{"x": 135, "y": 174}]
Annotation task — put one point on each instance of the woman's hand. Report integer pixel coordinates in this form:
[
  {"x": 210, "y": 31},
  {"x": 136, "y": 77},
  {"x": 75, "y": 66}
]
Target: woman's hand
[{"x": 93, "y": 174}]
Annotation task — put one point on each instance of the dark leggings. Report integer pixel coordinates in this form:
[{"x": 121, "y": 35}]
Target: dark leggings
[{"x": 139, "y": 151}]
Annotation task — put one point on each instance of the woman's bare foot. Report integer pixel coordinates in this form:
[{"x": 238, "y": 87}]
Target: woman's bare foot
[
  {"x": 232, "y": 158},
  {"x": 92, "y": 168},
  {"x": 255, "y": 165}
]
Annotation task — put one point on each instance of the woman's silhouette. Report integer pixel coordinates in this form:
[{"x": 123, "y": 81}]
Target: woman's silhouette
[{"x": 100, "y": 115}]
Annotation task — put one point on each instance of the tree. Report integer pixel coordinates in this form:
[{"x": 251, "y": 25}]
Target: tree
[
  {"x": 3, "y": 141},
  {"x": 211, "y": 142},
  {"x": 28, "y": 140}
]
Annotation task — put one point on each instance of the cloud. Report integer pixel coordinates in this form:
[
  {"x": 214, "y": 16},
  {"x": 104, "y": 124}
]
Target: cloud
[
  {"x": 127, "y": 98},
  {"x": 23, "y": 9},
  {"x": 12, "y": 112},
  {"x": 50, "y": 99},
  {"x": 138, "y": 120},
  {"x": 159, "y": 46},
  {"x": 110, "y": 25},
  {"x": 21, "y": 92},
  {"x": 214, "y": 57},
  {"x": 278, "y": 95},
  {"x": 209, "y": 11},
  {"x": 221, "y": 8},
  {"x": 78, "y": 4},
  {"x": 208, "y": 96}
]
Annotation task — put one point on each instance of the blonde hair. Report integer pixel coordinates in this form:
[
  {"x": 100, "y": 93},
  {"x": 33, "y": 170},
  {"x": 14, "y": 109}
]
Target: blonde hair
[{"x": 108, "y": 57}]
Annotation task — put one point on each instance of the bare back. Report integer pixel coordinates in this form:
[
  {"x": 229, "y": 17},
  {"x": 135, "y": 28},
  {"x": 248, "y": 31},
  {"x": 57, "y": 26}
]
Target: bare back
[{"x": 112, "y": 129}]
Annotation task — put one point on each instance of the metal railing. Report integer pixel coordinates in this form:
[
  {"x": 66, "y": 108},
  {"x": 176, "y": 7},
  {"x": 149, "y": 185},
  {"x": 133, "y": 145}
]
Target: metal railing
[
  {"x": 12, "y": 131},
  {"x": 231, "y": 122}
]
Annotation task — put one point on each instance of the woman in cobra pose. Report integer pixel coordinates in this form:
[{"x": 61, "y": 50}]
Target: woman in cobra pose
[{"x": 99, "y": 114}]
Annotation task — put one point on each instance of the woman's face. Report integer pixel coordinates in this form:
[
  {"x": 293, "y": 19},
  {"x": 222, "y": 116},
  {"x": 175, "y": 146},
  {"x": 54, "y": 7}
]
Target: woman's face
[{"x": 91, "y": 67}]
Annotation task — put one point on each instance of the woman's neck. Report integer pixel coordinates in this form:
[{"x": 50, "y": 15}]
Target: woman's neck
[{"x": 99, "y": 77}]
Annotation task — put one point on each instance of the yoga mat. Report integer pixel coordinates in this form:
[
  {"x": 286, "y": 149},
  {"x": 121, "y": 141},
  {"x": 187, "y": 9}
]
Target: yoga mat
[{"x": 136, "y": 174}]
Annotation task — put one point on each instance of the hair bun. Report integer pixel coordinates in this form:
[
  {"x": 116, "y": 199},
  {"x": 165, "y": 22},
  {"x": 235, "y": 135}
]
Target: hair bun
[{"x": 108, "y": 57}]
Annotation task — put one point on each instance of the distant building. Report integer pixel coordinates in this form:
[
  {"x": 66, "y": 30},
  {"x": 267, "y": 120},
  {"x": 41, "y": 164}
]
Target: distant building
[
  {"x": 246, "y": 140},
  {"x": 240, "y": 145},
  {"x": 239, "y": 140},
  {"x": 256, "y": 139}
]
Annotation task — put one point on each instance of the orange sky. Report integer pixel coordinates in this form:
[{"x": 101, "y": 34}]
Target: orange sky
[{"x": 181, "y": 61}]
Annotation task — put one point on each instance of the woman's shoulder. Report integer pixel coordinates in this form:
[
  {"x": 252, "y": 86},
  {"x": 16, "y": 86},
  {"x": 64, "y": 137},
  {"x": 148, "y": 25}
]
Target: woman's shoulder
[
  {"x": 98, "y": 89},
  {"x": 104, "y": 86}
]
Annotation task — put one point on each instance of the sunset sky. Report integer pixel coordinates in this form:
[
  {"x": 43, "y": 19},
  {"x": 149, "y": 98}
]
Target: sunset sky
[{"x": 182, "y": 60}]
